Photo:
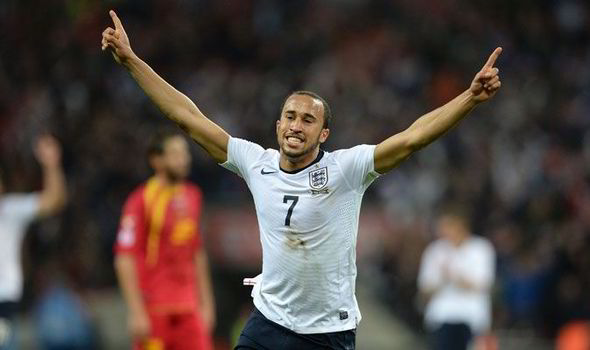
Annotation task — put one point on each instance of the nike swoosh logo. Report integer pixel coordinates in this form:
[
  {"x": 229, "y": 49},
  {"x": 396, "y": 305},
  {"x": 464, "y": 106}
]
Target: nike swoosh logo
[{"x": 266, "y": 172}]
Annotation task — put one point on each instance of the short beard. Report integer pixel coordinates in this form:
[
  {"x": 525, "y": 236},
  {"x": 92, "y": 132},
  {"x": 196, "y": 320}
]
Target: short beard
[
  {"x": 174, "y": 177},
  {"x": 293, "y": 157}
]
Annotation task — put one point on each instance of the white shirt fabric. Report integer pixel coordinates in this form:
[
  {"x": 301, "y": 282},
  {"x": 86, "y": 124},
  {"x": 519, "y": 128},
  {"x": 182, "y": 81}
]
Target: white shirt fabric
[
  {"x": 308, "y": 224},
  {"x": 474, "y": 261},
  {"x": 16, "y": 213}
]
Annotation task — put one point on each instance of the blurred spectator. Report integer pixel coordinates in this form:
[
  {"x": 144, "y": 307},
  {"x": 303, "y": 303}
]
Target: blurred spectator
[
  {"x": 62, "y": 321},
  {"x": 17, "y": 210},
  {"x": 456, "y": 275}
]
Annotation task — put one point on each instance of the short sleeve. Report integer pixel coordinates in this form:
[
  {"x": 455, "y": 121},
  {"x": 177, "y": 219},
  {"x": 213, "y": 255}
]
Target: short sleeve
[
  {"x": 23, "y": 208},
  {"x": 240, "y": 155},
  {"x": 358, "y": 166},
  {"x": 131, "y": 226}
]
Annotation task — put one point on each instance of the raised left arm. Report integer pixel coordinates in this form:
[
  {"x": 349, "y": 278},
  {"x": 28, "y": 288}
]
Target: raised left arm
[{"x": 429, "y": 127}]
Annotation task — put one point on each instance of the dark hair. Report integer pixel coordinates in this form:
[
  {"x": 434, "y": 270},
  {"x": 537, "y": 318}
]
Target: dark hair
[
  {"x": 456, "y": 210},
  {"x": 158, "y": 141},
  {"x": 327, "y": 110}
]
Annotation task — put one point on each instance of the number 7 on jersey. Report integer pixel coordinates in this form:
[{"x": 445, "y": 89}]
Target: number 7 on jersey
[{"x": 286, "y": 199}]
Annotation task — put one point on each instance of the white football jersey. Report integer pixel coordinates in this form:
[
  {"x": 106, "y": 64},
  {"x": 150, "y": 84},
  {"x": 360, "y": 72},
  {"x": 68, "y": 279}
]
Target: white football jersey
[
  {"x": 308, "y": 223},
  {"x": 16, "y": 213}
]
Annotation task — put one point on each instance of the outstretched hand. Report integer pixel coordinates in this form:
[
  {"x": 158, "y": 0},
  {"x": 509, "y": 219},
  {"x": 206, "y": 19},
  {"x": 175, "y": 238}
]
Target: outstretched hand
[
  {"x": 117, "y": 41},
  {"x": 487, "y": 81}
]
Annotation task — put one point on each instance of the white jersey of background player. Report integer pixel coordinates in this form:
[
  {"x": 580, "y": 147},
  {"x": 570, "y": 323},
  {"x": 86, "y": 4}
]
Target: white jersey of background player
[{"x": 304, "y": 234}]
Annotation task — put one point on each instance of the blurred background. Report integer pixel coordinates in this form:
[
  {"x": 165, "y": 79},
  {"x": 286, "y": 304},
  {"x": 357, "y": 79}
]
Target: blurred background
[{"x": 522, "y": 161}]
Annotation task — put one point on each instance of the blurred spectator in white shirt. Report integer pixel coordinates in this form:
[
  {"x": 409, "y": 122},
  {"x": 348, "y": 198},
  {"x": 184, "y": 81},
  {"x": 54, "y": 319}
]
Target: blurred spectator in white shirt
[{"x": 456, "y": 275}]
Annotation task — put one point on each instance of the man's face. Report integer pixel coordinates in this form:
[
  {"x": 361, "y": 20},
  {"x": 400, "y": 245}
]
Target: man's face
[
  {"x": 175, "y": 161},
  {"x": 452, "y": 228},
  {"x": 300, "y": 129}
]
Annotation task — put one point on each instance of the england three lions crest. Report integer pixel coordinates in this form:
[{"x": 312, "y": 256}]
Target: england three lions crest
[{"x": 318, "y": 179}]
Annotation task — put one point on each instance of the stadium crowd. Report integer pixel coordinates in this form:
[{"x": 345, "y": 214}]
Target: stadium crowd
[{"x": 522, "y": 162}]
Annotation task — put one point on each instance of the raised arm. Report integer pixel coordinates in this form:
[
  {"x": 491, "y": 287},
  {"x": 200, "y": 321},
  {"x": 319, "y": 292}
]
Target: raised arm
[
  {"x": 54, "y": 194},
  {"x": 429, "y": 127},
  {"x": 174, "y": 104}
]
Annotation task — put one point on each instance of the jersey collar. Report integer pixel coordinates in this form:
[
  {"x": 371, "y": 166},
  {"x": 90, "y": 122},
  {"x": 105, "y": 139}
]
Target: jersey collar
[{"x": 317, "y": 159}]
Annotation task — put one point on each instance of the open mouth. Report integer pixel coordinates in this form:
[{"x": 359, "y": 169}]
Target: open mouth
[{"x": 294, "y": 140}]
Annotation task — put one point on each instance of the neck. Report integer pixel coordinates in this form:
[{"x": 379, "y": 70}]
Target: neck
[
  {"x": 457, "y": 242},
  {"x": 293, "y": 164},
  {"x": 166, "y": 180}
]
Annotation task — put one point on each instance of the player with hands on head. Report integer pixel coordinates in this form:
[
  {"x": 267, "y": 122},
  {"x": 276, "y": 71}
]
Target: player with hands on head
[{"x": 307, "y": 200}]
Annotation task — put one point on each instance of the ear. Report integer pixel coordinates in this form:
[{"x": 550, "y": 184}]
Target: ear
[
  {"x": 278, "y": 125},
  {"x": 324, "y": 135}
]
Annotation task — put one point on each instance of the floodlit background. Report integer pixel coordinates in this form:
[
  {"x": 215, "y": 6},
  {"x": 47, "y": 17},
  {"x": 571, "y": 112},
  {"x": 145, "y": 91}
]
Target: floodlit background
[{"x": 522, "y": 161}]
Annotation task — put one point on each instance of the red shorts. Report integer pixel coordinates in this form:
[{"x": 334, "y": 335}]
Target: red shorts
[{"x": 178, "y": 331}]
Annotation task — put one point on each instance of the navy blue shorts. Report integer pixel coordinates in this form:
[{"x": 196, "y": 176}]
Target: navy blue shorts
[
  {"x": 262, "y": 334},
  {"x": 452, "y": 336}
]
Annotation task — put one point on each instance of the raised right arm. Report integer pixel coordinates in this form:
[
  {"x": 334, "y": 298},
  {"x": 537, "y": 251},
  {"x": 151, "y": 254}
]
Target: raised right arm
[
  {"x": 54, "y": 195},
  {"x": 174, "y": 104}
]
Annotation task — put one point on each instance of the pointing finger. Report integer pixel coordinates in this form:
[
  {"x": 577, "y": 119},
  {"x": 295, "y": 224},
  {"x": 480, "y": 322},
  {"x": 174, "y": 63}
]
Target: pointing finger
[
  {"x": 493, "y": 57},
  {"x": 116, "y": 20}
]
